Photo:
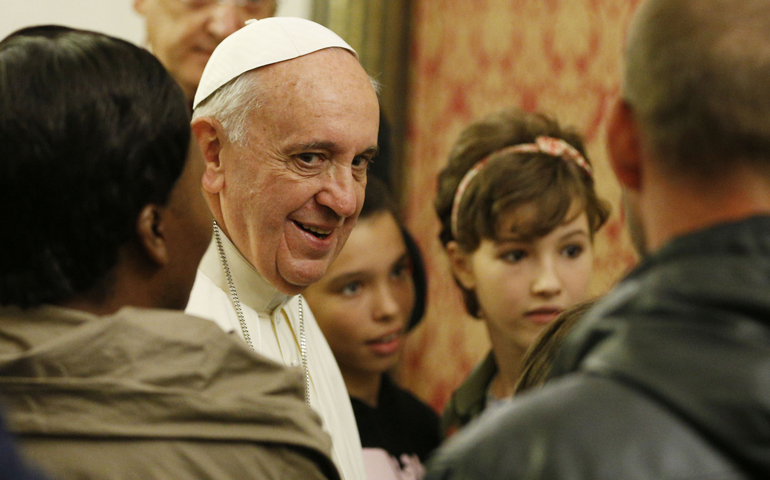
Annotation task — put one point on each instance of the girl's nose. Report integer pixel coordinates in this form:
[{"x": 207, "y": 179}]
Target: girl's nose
[
  {"x": 546, "y": 282},
  {"x": 387, "y": 307}
]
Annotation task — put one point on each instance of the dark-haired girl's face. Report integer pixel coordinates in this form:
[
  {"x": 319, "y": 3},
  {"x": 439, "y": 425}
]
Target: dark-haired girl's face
[
  {"x": 364, "y": 301},
  {"x": 523, "y": 284}
]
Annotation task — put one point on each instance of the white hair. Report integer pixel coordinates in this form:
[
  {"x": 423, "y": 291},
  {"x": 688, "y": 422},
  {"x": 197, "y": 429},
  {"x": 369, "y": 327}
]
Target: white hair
[{"x": 232, "y": 105}]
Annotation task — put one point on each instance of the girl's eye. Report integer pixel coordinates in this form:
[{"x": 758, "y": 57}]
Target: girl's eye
[
  {"x": 351, "y": 289},
  {"x": 401, "y": 270},
  {"x": 572, "y": 251},
  {"x": 513, "y": 256}
]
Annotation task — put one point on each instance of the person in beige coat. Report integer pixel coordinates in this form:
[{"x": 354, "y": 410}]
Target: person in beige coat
[{"x": 101, "y": 373}]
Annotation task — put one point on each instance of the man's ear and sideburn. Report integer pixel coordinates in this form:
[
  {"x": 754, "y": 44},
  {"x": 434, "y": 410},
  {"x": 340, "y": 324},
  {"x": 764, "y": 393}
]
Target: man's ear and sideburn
[
  {"x": 209, "y": 135},
  {"x": 624, "y": 146}
]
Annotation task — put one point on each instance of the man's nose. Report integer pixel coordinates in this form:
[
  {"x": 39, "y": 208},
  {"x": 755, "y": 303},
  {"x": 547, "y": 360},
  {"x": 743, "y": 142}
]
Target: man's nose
[
  {"x": 546, "y": 281},
  {"x": 341, "y": 192},
  {"x": 226, "y": 18}
]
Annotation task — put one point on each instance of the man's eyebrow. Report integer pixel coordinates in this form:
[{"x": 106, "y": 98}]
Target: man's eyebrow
[
  {"x": 332, "y": 147},
  {"x": 372, "y": 151},
  {"x": 315, "y": 145}
]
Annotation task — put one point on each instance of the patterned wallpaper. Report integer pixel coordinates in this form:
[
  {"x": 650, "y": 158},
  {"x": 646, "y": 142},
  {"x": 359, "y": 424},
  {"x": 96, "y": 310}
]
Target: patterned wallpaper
[{"x": 473, "y": 57}]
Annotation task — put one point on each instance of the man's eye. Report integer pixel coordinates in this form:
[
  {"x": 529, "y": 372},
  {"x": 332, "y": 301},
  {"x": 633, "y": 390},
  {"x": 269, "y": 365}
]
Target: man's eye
[
  {"x": 572, "y": 251},
  {"x": 362, "y": 162},
  {"x": 309, "y": 158}
]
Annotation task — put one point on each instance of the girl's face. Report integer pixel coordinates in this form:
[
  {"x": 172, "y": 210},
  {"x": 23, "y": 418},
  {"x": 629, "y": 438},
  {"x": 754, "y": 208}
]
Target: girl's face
[
  {"x": 365, "y": 299},
  {"x": 521, "y": 285}
]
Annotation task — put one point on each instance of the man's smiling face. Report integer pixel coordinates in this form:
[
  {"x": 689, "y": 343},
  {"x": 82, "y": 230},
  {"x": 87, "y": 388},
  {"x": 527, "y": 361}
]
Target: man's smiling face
[{"x": 293, "y": 190}]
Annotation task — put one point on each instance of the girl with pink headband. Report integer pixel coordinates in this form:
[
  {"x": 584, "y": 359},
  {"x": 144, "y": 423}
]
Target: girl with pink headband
[{"x": 518, "y": 213}]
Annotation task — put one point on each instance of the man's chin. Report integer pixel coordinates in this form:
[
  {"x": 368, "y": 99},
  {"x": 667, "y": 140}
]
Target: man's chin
[{"x": 293, "y": 281}]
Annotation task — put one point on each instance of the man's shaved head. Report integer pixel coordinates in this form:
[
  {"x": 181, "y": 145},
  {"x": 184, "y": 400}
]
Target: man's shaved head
[{"x": 697, "y": 76}]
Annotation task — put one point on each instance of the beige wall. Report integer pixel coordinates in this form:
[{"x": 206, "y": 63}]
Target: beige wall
[
  {"x": 115, "y": 17},
  {"x": 473, "y": 57}
]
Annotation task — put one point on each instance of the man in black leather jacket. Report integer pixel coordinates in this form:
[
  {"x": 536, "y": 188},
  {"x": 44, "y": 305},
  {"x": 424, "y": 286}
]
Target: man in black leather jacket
[{"x": 669, "y": 376}]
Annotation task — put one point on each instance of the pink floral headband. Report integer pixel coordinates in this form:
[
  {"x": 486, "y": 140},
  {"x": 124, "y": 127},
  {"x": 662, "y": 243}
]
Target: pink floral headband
[{"x": 556, "y": 147}]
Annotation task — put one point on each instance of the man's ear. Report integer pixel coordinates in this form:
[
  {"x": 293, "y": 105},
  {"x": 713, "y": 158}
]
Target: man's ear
[
  {"x": 624, "y": 146},
  {"x": 151, "y": 235},
  {"x": 209, "y": 134},
  {"x": 461, "y": 265}
]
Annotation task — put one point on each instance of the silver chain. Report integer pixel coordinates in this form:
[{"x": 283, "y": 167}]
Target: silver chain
[
  {"x": 303, "y": 352},
  {"x": 242, "y": 319}
]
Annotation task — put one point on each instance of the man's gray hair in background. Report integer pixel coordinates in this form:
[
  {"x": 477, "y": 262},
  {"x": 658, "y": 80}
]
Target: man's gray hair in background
[{"x": 697, "y": 77}]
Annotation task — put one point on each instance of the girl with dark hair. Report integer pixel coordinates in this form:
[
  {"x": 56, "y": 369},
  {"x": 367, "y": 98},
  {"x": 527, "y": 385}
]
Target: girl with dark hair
[
  {"x": 365, "y": 305},
  {"x": 518, "y": 213}
]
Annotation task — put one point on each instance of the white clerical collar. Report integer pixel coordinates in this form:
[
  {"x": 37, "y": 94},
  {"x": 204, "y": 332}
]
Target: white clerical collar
[{"x": 253, "y": 289}]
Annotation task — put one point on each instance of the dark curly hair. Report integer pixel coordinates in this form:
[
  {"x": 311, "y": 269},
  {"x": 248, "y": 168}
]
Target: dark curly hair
[
  {"x": 552, "y": 185},
  {"x": 92, "y": 129}
]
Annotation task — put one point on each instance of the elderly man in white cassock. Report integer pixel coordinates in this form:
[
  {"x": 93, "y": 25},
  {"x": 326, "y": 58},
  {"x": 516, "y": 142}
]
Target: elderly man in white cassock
[{"x": 287, "y": 121}]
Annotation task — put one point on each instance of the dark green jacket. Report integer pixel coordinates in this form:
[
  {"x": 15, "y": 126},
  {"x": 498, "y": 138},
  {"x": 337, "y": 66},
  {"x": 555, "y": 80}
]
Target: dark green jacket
[{"x": 470, "y": 398}]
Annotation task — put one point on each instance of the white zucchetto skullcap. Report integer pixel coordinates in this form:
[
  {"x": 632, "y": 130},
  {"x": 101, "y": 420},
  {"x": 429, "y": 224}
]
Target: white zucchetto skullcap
[{"x": 263, "y": 42}]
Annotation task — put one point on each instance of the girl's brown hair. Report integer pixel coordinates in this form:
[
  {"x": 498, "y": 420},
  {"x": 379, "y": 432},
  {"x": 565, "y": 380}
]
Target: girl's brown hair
[
  {"x": 537, "y": 362},
  {"x": 552, "y": 185}
]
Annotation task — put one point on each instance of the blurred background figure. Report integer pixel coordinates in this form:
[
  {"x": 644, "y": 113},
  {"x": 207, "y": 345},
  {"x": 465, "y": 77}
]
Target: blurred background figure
[
  {"x": 184, "y": 33},
  {"x": 518, "y": 213},
  {"x": 365, "y": 305}
]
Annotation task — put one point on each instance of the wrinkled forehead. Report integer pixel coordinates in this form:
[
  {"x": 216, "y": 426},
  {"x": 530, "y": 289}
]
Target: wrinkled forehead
[
  {"x": 320, "y": 90},
  {"x": 331, "y": 67}
]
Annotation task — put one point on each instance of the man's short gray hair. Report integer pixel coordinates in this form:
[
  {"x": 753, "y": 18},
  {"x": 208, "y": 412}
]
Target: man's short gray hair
[
  {"x": 697, "y": 77},
  {"x": 234, "y": 103}
]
